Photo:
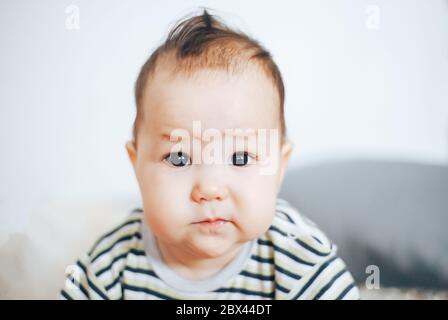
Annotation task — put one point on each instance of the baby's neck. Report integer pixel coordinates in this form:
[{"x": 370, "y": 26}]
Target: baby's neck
[{"x": 193, "y": 267}]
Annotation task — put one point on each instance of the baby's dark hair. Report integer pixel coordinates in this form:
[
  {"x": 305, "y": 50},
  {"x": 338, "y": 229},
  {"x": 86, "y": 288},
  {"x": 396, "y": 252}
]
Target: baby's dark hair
[{"x": 204, "y": 42}]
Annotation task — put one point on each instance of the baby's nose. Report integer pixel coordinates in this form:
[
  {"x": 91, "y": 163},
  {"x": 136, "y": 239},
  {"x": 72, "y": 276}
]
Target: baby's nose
[{"x": 209, "y": 191}]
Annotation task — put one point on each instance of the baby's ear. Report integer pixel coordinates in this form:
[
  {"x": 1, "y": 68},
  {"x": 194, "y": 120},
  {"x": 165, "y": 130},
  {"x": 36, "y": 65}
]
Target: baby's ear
[
  {"x": 285, "y": 155},
  {"x": 132, "y": 151}
]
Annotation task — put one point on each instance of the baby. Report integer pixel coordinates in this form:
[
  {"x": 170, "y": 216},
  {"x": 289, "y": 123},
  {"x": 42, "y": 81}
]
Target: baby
[{"x": 209, "y": 151}]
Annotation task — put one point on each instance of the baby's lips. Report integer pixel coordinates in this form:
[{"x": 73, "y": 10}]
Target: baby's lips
[{"x": 211, "y": 220}]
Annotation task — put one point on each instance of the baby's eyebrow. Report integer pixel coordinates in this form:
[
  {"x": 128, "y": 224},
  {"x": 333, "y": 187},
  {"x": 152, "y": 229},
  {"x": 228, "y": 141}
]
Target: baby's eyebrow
[
  {"x": 165, "y": 136},
  {"x": 170, "y": 138}
]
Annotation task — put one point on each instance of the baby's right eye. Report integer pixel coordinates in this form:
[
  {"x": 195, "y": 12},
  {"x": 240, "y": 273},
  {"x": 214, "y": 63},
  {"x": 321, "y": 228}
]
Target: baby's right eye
[{"x": 178, "y": 159}]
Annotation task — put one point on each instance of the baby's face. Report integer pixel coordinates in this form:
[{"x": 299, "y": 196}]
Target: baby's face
[{"x": 207, "y": 209}]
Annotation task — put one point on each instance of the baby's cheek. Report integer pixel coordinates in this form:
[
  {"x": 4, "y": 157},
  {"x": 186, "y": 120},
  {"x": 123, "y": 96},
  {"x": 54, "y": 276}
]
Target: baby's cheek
[
  {"x": 259, "y": 212},
  {"x": 165, "y": 189},
  {"x": 255, "y": 224},
  {"x": 168, "y": 206},
  {"x": 164, "y": 224}
]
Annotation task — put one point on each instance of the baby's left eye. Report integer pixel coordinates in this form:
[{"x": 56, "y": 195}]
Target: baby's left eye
[
  {"x": 178, "y": 159},
  {"x": 241, "y": 158}
]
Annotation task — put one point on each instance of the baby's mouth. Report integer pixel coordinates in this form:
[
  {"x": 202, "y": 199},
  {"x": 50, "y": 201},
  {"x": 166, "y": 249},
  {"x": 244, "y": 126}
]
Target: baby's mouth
[{"x": 212, "y": 222}]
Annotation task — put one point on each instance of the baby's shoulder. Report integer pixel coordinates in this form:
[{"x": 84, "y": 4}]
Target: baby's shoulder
[
  {"x": 293, "y": 232},
  {"x": 120, "y": 240},
  {"x": 97, "y": 273},
  {"x": 306, "y": 261}
]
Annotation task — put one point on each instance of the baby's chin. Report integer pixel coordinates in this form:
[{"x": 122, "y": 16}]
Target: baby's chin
[{"x": 213, "y": 247}]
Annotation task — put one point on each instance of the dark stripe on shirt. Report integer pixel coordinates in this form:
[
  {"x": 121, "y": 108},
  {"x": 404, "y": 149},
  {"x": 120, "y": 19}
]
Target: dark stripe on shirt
[
  {"x": 119, "y": 257},
  {"x": 246, "y": 291},
  {"x": 90, "y": 283},
  {"x": 79, "y": 285},
  {"x": 300, "y": 242},
  {"x": 135, "y": 270},
  {"x": 257, "y": 276},
  {"x": 288, "y": 273},
  {"x": 141, "y": 271},
  {"x": 261, "y": 259},
  {"x": 346, "y": 290},
  {"x": 125, "y": 238},
  {"x": 315, "y": 275},
  {"x": 286, "y": 215},
  {"x": 114, "y": 282},
  {"x": 281, "y": 288},
  {"x": 66, "y": 295},
  {"x": 285, "y": 252},
  {"x": 278, "y": 268},
  {"x": 124, "y": 224},
  {"x": 329, "y": 284}
]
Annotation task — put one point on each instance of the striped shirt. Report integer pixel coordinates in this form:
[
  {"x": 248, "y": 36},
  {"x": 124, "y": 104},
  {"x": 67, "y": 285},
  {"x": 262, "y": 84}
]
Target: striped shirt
[{"x": 292, "y": 260}]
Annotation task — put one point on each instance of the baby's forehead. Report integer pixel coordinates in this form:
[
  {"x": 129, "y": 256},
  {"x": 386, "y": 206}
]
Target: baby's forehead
[
  {"x": 217, "y": 99},
  {"x": 238, "y": 96}
]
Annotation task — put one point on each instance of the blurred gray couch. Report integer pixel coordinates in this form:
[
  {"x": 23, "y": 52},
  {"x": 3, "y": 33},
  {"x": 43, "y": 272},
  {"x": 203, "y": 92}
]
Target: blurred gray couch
[{"x": 390, "y": 214}]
